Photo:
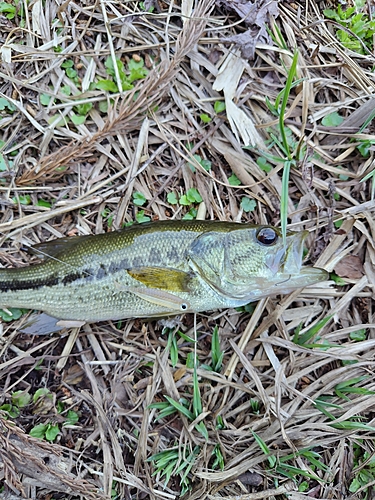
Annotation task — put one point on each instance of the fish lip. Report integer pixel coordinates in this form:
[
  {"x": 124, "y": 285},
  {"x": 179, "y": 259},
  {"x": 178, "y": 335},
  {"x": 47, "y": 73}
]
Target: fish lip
[
  {"x": 315, "y": 273},
  {"x": 298, "y": 247},
  {"x": 293, "y": 253},
  {"x": 288, "y": 258},
  {"x": 311, "y": 274}
]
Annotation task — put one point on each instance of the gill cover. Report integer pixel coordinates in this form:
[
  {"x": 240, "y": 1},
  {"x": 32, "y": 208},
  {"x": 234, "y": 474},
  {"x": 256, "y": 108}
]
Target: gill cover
[
  {"x": 238, "y": 264},
  {"x": 234, "y": 262}
]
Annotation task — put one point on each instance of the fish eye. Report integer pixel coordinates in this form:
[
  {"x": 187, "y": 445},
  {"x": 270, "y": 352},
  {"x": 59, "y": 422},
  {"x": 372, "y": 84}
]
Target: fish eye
[
  {"x": 184, "y": 306},
  {"x": 267, "y": 236}
]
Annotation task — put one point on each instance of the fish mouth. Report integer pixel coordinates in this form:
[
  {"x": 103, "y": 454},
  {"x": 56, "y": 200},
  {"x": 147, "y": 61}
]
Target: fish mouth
[
  {"x": 288, "y": 259},
  {"x": 314, "y": 274},
  {"x": 294, "y": 253},
  {"x": 293, "y": 262},
  {"x": 290, "y": 264}
]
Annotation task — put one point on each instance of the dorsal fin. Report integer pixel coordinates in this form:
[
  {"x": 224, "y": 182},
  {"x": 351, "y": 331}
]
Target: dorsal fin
[{"x": 54, "y": 248}]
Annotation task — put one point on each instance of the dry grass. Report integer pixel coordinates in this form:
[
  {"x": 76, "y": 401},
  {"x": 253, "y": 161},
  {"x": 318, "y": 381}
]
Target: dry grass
[{"x": 110, "y": 374}]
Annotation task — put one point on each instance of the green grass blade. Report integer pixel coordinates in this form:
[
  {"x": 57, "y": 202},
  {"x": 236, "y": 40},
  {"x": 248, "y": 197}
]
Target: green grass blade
[
  {"x": 188, "y": 414},
  {"x": 284, "y": 199}
]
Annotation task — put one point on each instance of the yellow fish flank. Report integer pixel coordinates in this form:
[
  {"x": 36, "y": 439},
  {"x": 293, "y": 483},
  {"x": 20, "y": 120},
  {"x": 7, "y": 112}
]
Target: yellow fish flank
[{"x": 158, "y": 269}]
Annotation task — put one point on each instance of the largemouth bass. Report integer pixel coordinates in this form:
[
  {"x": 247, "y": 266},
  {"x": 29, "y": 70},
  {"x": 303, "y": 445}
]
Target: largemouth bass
[{"x": 158, "y": 269}]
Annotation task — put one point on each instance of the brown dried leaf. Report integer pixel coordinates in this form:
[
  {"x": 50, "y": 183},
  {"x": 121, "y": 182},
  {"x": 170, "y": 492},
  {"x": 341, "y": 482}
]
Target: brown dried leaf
[
  {"x": 256, "y": 15},
  {"x": 350, "y": 267}
]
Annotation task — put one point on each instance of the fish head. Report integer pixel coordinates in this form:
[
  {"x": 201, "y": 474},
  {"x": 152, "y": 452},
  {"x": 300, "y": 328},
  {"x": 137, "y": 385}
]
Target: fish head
[{"x": 253, "y": 262}]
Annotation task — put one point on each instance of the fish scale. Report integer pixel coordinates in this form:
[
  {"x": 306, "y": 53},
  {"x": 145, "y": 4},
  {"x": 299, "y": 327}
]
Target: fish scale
[{"x": 156, "y": 269}]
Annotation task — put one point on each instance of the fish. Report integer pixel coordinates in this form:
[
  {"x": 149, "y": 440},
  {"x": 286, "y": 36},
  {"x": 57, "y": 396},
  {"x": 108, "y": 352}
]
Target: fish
[{"x": 158, "y": 269}]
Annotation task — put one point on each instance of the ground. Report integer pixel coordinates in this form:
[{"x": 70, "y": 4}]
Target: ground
[{"x": 120, "y": 112}]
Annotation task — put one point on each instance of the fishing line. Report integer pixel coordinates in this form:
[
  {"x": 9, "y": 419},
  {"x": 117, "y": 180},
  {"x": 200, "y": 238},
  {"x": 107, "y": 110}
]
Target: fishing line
[{"x": 34, "y": 250}]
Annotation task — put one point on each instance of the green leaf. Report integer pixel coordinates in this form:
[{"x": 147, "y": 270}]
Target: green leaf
[
  {"x": 39, "y": 431},
  {"x": 39, "y": 393},
  {"x": 3, "y": 165},
  {"x": 284, "y": 103},
  {"x": 197, "y": 401},
  {"x": 354, "y": 485},
  {"x": 77, "y": 119},
  {"x": 304, "y": 486},
  {"x": 191, "y": 215},
  {"x": 206, "y": 164},
  {"x": 5, "y": 104},
  {"x": 216, "y": 353},
  {"x": 219, "y": 106},
  {"x": 52, "y": 432},
  {"x": 263, "y": 165},
  {"x": 44, "y": 203},
  {"x": 172, "y": 198},
  {"x": 339, "y": 281},
  {"x": 205, "y": 118},
  {"x": 358, "y": 335},
  {"x": 84, "y": 108},
  {"x": 139, "y": 199},
  {"x": 67, "y": 64},
  {"x": 141, "y": 217},
  {"x": 71, "y": 418},
  {"x": 193, "y": 195},
  {"x": 349, "y": 425},
  {"x": 71, "y": 73},
  {"x": 126, "y": 85},
  {"x": 185, "y": 337},
  {"x": 220, "y": 425},
  {"x": 311, "y": 332},
  {"x": 9, "y": 10},
  {"x": 262, "y": 445},
  {"x": 202, "y": 429},
  {"x": 190, "y": 360},
  {"x": 135, "y": 65},
  {"x": 103, "y": 107},
  {"x": 184, "y": 200},
  {"x": 21, "y": 398},
  {"x": 45, "y": 99},
  {"x": 284, "y": 199},
  {"x": 218, "y": 458},
  {"x": 106, "y": 85},
  {"x": 22, "y": 199},
  {"x": 15, "y": 314},
  {"x": 179, "y": 407},
  {"x": 247, "y": 204},
  {"x": 66, "y": 90},
  {"x": 11, "y": 410},
  {"x": 365, "y": 147},
  {"x": 234, "y": 180},
  {"x": 137, "y": 71},
  {"x": 332, "y": 120},
  {"x": 142, "y": 7},
  {"x": 331, "y": 14},
  {"x": 174, "y": 351}
]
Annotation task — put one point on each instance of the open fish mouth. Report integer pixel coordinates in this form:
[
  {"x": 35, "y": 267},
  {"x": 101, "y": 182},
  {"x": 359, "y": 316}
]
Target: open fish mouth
[
  {"x": 289, "y": 263},
  {"x": 288, "y": 260},
  {"x": 293, "y": 263}
]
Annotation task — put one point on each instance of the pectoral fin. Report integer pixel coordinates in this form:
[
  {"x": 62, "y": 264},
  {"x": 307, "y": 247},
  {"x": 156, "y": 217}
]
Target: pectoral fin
[
  {"x": 161, "y": 298},
  {"x": 162, "y": 278}
]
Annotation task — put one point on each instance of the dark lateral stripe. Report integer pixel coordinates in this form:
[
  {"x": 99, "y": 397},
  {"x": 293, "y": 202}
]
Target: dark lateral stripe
[
  {"x": 88, "y": 274},
  {"x": 15, "y": 284}
]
